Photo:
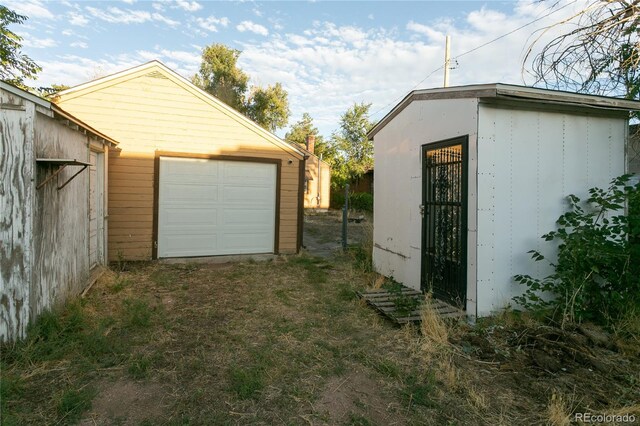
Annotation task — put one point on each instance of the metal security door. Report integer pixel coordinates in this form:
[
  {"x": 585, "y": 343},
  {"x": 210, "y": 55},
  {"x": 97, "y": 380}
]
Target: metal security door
[{"x": 444, "y": 222}]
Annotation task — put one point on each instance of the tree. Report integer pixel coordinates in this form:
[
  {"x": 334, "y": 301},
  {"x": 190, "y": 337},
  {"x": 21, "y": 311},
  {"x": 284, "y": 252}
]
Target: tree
[
  {"x": 15, "y": 65},
  {"x": 50, "y": 91},
  {"x": 220, "y": 76},
  {"x": 301, "y": 130},
  {"x": 353, "y": 149},
  {"x": 599, "y": 53},
  {"x": 268, "y": 107}
]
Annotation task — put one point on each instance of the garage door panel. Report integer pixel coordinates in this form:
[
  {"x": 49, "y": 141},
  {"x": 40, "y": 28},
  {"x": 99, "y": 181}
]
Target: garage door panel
[
  {"x": 189, "y": 244},
  {"x": 253, "y": 219},
  {"x": 215, "y": 207},
  {"x": 174, "y": 192},
  {"x": 189, "y": 170},
  {"x": 252, "y": 171},
  {"x": 181, "y": 216},
  {"x": 248, "y": 194},
  {"x": 243, "y": 242}
]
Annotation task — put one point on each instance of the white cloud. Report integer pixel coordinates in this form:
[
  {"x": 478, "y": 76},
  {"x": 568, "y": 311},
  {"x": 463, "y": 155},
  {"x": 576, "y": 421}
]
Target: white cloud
[
  {"x": 189, "y": 6},
  {"x": 115, "y": 15},
  {"x": 79, "y": 45},
  {"x": 37, "y": 43},
  {"x": 78, "y": 19},
  {"x": 188, "y": 58},
  {"x": 161, "y": 18},
  {"x": 252, "y": 27},
  {"x": 129, "y": 1},
  {"x": 328, "y": 67},
  {"x": 30, "y": 8},
  {"x": 426, "y": 30},
  {"x": 211, "y": 23}
]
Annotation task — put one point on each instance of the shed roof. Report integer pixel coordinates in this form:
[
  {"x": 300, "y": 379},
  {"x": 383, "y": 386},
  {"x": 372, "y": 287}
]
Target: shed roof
[
  {"x": 156, "y": 65},
  {"x": 54, "y": 111},
  {"x": 501, "y": 91}
]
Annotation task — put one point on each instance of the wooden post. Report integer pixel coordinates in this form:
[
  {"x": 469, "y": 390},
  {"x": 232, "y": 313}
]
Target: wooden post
[
  {"x": 447, "y": 60},
  {"x": 345, "y": 218}
]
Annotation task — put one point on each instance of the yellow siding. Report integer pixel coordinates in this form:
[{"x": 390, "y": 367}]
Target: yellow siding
[
  {"x": 316, "y": 195},
  {"x": 154, "y": 112}
]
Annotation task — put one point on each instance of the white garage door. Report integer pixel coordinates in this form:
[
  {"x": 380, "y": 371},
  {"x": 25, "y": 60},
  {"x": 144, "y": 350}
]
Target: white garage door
[{"x": 213, "y": 207}]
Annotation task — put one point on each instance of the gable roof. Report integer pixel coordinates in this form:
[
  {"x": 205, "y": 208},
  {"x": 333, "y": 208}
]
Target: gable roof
[
  {"x": 54, "y": 111},
  {"x": 158, "y": 66},
  {"x": 501, "y": 91}
]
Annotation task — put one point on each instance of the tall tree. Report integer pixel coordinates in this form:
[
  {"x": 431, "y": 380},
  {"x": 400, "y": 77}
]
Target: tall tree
[
  {"x": 300, "y": 130},
  {"x": 220, "y": 75},
  {"x": 16, "y": 66},
  {"x": 354, "y": 151},
  {"x": 599, "y": 51},
  {"x": 268, "y": 107}
]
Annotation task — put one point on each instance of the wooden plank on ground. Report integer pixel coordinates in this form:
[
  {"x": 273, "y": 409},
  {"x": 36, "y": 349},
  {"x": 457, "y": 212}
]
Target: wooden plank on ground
[{"x": 403, "y": 305}]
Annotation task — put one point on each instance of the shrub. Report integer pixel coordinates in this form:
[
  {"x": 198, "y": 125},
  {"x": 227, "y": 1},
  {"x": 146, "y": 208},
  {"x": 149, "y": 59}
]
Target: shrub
[
  {"x": 362, "y": 201},
  {"x": 596, "y": 274}
]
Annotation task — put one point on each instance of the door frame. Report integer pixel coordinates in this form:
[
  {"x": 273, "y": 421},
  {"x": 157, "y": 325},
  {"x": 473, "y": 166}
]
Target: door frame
[
  {"x": 100, "y": 200},
  {"x": 464, "y": 142},
  {"x": 156, "y": 188}
]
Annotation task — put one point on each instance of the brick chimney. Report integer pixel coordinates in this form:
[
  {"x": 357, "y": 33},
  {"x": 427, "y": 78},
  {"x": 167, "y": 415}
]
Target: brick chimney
[{"x": 311, "y": 143}]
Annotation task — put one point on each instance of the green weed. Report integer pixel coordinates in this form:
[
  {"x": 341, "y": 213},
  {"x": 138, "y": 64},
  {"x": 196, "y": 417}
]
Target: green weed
[
  {"x": 74, "y": 402},
  {"x": 136, "y": 313},
  {"x": 139, "y": 366},
  {"x": 420, "y": 390},
  {"x": 246, "y": 382}
]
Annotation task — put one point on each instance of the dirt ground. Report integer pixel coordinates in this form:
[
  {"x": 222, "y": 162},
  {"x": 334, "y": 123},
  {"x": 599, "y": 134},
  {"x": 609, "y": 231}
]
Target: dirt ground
[
  {"x": 323, "y": 231},
  {"x": 287, "y": 341}
]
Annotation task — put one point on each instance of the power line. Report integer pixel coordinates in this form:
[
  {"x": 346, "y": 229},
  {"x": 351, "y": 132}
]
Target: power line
[{"x": 454, "y": 59}]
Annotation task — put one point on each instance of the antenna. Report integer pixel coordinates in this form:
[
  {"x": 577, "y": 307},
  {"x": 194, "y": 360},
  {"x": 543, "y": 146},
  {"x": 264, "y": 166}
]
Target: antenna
[{"x": 447, "y": 60}]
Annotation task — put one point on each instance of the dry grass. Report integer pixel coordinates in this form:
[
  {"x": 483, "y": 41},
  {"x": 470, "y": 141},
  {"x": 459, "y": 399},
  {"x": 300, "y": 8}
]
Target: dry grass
[
  {"x": 559, "y": 410},
  {"x": 434, "y": 331},
  {"x": 287, "y": 342}
]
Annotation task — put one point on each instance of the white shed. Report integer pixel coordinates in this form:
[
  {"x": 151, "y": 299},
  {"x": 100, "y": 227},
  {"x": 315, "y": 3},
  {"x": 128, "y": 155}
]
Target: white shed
[
  {"x": 53, "y": 188},
  {"x": 469, "y": 178}
]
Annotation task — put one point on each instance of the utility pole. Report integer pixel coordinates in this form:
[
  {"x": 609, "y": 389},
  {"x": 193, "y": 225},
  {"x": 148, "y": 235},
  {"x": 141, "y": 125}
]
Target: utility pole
[{"x": 447, "y": 60}]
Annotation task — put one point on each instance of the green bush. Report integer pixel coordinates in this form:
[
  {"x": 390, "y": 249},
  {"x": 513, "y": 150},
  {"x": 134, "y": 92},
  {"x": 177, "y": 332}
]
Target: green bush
[
  {"x": 362, "y": 201},
  {"x": 597, "y": 272}
]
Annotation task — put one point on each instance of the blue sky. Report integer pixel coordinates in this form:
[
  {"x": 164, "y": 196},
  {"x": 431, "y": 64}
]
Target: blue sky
[{"x": 327, "y": 55}]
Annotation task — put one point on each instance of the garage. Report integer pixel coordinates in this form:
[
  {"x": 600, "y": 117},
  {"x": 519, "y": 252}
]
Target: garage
[
  {"x": 191, "y": 176},
  {"x": 216, "y": 207}
]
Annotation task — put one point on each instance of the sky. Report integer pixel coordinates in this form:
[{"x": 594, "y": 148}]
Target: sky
[{"x": 328, "y": 55}]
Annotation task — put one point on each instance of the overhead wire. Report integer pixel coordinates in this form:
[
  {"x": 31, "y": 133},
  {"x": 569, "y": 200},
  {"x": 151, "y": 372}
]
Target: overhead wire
[{"x": 454, "y": 59}]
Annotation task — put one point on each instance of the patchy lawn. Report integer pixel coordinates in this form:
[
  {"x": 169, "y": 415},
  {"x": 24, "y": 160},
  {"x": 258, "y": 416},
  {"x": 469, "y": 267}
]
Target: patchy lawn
[{"x": 287, "y": 342}]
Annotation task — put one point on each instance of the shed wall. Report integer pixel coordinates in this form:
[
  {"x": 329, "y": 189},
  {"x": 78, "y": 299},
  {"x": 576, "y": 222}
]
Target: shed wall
[
  {"x": 17, "y": 164},
  {"x": 398, "y": 184},
  {"x": 528, "y": 162},
  {"x": 61, "y": 263},
  {"x": 44, "y": 251},
  {"x": 148, "y": 113}
]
